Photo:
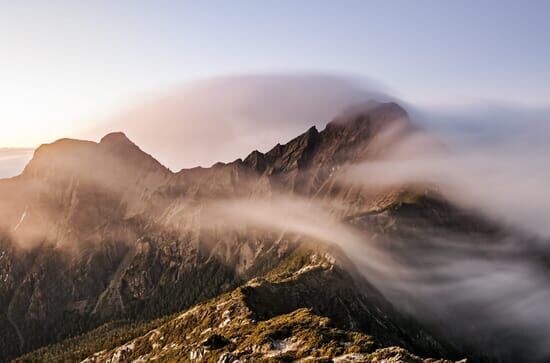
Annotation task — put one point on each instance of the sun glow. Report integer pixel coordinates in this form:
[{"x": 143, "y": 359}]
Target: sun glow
[{"x": 36, "y": 111}]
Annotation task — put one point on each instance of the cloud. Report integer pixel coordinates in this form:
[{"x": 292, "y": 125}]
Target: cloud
[
  {"x": 225, "y": 118},
  {"x": 477, "y": 288},
  {"x": 507, "y": 179},
  {"x": 486, "y": 122},
  {"x": 489, "y": 286},
  {"x": 299, "y": 216}
]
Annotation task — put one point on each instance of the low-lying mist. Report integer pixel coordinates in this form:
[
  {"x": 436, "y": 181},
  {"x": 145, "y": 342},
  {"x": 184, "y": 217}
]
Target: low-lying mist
[
  {"x": 482, "y": 289},
  {"x": 507, "y": 181},
  {"x": 484, "y": 292}
]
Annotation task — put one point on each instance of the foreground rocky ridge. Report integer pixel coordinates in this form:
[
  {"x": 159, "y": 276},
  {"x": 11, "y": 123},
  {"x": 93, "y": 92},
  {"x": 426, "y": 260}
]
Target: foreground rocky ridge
[
  {"x": 308, "y": 309},
  {"x": 98, "y": 232},
  {"x": 264, "y": 321}
]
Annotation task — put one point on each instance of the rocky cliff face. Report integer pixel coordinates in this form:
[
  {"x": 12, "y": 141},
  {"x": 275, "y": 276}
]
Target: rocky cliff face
[{"x": 97, "y": 232}]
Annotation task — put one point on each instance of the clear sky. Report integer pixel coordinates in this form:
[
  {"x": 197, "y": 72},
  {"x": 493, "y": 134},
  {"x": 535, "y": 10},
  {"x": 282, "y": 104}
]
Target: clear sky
[{"x": 66, "y": 63}]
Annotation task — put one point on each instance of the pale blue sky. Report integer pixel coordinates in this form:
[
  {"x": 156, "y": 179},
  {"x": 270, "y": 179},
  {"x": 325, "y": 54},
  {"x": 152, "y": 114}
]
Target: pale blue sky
[{"x": 63, "y": 61}]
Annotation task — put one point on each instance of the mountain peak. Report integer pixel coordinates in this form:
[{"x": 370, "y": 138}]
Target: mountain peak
[
  {"x": 115, "y": 138},
  {"x": 114, "y": 152},
  {"x": 370, "y": 110},
  {"x": 118, "y": 145},
  {"x": 344, "y": 139}
]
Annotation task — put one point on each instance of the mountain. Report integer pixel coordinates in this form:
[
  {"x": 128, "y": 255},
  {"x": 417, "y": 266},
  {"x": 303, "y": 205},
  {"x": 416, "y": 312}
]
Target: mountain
[{"x": 106, "y": 255}]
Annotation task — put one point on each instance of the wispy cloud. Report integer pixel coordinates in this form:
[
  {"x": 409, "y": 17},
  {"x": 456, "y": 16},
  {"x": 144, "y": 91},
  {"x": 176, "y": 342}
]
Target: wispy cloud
[{"x": 505, "y": 180}]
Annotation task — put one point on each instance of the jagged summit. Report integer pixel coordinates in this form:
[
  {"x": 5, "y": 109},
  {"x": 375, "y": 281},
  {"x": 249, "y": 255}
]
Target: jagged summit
[
  {"x": 343, "y": 139},
  {"x": 352, "y": 127}
]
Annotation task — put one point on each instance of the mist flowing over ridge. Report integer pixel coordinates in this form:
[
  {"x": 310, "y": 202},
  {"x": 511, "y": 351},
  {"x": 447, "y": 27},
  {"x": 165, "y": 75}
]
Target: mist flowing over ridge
[
  {"x": 223, "y": 118},
  {"x": 275, "y": 182},
  {"x": 150, "y": 230}
]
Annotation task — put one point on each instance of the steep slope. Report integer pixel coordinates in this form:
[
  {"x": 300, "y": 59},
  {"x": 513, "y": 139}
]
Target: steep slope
[
  {"x": 307, "y": 308},
  {"x": 286, "y": 317}
]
